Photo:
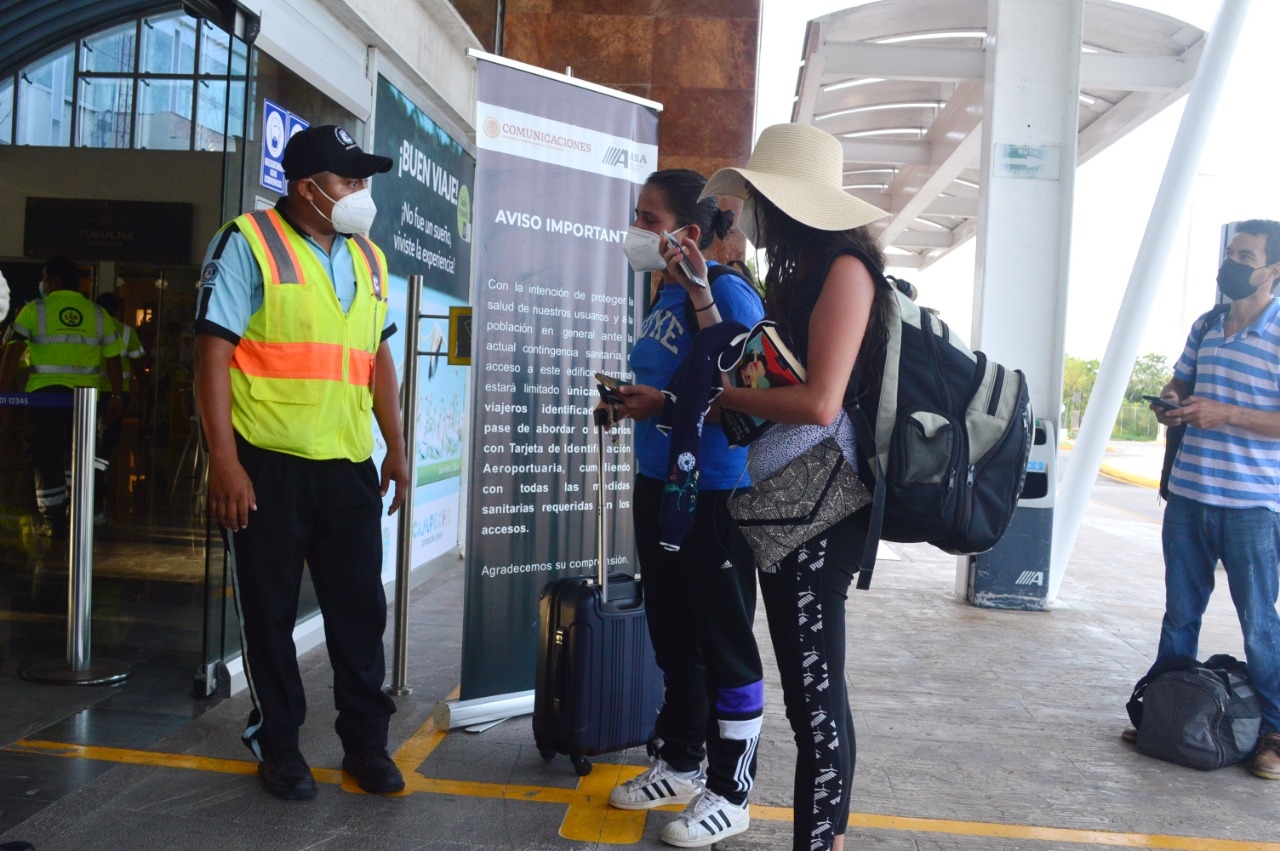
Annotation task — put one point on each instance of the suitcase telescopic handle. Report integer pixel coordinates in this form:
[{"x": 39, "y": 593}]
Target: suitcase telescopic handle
[{"x": 601, "y": 547}]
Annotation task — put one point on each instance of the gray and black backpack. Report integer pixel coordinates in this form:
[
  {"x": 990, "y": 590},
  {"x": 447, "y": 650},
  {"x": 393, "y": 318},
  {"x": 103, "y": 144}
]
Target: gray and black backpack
[{"x": 951, "y": 431}]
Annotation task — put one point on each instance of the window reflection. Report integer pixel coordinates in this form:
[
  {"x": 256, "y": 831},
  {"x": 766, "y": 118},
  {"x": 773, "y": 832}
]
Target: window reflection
[
  {"x": 6, "y": 111},
  {"x": 164, "y": 115},
  {"x": 111, "y": 52},
  {"x": 44, "y": 100},
  {"x": 220, "y": 116},
  {"x": 168, "y": 45},
  {"x": 105, "y": 112},
  {"x": 168, "y": 82}
]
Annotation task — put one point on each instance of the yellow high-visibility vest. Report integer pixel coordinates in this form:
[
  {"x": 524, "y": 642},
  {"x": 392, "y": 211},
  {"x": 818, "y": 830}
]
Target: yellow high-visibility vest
[
  {"x": 67, "y": 337},
  {"x": 131, "y": 349},
  {"x": 302, "y": 375}
]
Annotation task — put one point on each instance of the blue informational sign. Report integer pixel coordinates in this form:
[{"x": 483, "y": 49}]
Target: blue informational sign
[{"x": 278, "y": 126}]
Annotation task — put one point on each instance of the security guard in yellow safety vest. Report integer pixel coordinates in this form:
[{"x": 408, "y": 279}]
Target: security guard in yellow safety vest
[
  {"x": 70, "y": 341},
  {"x": 292, "y": 367}
]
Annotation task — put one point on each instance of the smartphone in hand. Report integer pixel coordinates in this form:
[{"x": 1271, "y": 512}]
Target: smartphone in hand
[
  {"x": 684, "y": 264},
  {"x": 1162, "y": 404},
  {"x": 608, "y": 387}
]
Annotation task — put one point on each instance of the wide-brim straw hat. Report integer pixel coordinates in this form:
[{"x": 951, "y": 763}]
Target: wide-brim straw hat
[{"x": 800, "y": 169}]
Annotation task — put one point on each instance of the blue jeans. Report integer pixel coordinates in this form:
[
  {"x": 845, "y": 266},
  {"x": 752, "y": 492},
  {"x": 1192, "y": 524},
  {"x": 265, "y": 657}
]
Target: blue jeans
[{"x": 1247, "y": 540}]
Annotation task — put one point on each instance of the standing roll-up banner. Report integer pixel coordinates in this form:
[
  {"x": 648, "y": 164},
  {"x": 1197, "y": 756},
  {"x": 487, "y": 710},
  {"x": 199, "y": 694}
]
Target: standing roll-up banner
[
  {"x": 424, "y": 228},
  {"x": 559, "y": 166}
]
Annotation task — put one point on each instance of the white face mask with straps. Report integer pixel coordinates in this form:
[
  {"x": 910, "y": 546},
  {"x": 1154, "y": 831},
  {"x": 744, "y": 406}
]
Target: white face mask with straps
[
  {"x": 351, "y": 213},
  {"x": 643, "y": 251}
]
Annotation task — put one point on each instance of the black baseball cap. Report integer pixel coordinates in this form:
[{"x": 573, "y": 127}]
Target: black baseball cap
[{"x": 329, "y": 148}]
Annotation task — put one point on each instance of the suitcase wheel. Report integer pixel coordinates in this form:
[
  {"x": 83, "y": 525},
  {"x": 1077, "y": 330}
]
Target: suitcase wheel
[{"x": 581, "y": 764}]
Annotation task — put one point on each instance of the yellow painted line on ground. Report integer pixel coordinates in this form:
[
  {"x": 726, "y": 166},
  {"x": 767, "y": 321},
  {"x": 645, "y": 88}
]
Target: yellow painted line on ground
[
  {"x": 133, "y": 757},
  {"x": 414, "y": 752},
  {"x": 590, "y": 818},
  {"x": 1053, "y": 834}
]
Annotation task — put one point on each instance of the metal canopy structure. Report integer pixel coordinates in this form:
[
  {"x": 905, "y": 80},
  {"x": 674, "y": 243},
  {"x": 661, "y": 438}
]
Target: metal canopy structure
[{"x": 901, "y": 84}]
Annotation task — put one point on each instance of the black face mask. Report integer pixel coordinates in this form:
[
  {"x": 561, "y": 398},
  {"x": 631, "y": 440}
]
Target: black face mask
[{"x": 1233, "y": 280}]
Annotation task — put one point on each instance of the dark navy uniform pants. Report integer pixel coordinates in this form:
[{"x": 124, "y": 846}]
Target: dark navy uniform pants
[{"x": 326, "y": 513}]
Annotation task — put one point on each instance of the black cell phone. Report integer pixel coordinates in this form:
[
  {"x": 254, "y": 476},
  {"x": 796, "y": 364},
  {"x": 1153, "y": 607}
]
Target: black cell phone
[
  {"x": 608, "y": 387},
  {"x": 684, "y": 265},
  {"x": 1162, "y": 404}
]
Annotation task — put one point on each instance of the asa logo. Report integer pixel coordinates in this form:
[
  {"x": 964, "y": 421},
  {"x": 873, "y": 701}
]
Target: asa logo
[
  {"x": 71, "y": 317},
  {"x": 617, "y": 156},
  {"x": 1030, "y": 577}
]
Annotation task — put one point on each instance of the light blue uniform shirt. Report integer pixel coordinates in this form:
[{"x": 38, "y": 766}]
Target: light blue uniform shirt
[
  {"x": 1230, "y": 467},
  {"x": 231, "y": 283}
]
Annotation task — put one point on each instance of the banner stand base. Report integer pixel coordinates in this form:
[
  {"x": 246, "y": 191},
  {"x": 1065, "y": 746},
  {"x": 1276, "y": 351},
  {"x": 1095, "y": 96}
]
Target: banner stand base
[{"x": 449, "y": 714}]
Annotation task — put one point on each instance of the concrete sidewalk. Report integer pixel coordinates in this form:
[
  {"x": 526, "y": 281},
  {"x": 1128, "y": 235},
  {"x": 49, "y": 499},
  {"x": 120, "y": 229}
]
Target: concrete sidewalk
[{"x": 977, "y": 729}]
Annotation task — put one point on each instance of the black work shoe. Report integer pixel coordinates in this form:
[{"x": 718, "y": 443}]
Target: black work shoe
[
  {"x": 288, "y": 776},
  {"x": 374, "y": 771}
]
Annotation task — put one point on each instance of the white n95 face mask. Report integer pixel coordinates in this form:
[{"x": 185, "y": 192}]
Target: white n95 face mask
[
  {"x": 351, "y": 213},
  {"x": 641, "y": 248}
]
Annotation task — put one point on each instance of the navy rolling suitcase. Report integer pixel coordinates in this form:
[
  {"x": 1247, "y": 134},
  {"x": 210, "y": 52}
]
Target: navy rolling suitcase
[{"x": 598, "y": 688}]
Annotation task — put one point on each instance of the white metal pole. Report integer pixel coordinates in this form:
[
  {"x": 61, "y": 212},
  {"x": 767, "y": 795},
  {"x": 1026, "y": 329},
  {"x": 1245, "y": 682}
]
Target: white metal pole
[
  {"x": 404, "y": 558},
  {"x": 83, "y": 443},
  {"x": 79, "y": 668},
  {"x": 1144, "y": 282}
]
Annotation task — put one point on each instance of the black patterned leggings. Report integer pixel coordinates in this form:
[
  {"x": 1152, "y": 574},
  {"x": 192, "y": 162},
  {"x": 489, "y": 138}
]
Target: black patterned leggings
[{"x": 804, "y": 600}]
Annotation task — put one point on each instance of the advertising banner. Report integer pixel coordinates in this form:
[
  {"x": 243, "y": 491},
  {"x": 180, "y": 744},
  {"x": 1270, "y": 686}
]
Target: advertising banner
[
  {"x": 559, "y": 167},
  {"x": 424, "y": 227}
]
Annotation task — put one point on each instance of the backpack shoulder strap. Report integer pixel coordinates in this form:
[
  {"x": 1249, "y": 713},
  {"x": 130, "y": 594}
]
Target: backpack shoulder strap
[
  {"x": 1209, "y": 317},
  {"x": 864, "y": 431}
]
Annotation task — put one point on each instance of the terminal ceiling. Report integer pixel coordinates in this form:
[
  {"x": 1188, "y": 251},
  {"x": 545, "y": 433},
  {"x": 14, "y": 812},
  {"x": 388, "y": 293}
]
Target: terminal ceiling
[{"x": 900, "y": 83}]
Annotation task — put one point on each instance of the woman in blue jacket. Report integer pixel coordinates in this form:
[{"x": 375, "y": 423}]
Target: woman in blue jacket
[{"x": 701, "y": 598}]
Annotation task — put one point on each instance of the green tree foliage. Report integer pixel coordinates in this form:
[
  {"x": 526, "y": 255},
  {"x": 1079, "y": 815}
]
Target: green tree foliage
[
  {"x": 1078, "y": 378},
  {"x": 1151, "y": 372}
]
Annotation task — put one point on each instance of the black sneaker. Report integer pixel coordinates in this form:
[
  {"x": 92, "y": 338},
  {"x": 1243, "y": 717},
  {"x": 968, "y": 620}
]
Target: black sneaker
[
  {"x": 288, "y": 776},
  {"x": 374, "y": 771}
]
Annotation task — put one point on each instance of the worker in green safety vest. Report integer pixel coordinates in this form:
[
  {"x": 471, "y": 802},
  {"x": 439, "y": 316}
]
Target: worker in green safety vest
[{"x": 69, "y": 341}]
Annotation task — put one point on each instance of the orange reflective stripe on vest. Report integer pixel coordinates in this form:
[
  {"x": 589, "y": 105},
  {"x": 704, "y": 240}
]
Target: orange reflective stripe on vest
[{"x": 322, "y": 361}]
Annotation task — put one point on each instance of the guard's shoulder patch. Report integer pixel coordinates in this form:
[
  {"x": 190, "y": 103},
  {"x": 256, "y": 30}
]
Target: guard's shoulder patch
[{"x": 209, "y": 274}]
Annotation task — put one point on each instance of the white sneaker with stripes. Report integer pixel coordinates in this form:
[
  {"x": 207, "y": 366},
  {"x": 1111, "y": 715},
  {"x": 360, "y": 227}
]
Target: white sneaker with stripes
[
  {"x": 657, "y": 787},
  {"x": 707, "y": 820}
]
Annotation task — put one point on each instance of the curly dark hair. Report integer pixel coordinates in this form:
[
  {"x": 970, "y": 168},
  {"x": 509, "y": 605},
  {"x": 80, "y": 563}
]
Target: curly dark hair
[{"x": 798, "y": 257}]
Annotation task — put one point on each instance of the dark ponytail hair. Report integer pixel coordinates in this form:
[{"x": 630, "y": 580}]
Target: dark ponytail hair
[{"x": 681, "y": 187}]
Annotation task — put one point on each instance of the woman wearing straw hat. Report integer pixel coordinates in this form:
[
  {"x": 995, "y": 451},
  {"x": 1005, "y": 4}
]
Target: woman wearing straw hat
[{"x": 820, "y": 293}]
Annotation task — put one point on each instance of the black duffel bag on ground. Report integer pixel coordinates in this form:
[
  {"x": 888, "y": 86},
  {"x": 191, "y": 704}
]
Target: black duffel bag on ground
[{"x": 1202, "y": 716}]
